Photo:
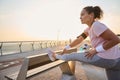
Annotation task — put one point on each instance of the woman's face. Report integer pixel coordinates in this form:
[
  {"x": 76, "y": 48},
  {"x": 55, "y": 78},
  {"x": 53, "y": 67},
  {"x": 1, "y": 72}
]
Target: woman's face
[{"x": 85, "y": 17}]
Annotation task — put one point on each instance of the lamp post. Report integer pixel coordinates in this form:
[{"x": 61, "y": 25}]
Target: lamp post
[{"x": 58, "y": 34}]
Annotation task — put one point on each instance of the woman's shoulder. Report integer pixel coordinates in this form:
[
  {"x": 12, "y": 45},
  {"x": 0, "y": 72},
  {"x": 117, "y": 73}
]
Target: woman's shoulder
[
  {"x": 98, "y": 24},
  {"x": 98, "y": 28}
]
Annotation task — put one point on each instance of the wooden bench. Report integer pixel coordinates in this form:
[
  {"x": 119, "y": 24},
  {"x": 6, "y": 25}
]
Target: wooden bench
[{"x": 37, "y": 64}]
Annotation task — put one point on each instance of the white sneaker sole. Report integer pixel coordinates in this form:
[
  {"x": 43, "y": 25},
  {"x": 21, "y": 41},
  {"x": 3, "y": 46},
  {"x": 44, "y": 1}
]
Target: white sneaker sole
[{"x": 50, "y": 53}]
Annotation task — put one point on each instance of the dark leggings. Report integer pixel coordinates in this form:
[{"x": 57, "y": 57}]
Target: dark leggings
[{"x": 114, "y": 72}]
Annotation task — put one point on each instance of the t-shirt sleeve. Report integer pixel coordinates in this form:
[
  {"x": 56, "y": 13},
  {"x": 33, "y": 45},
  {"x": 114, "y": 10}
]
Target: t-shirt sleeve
[
  {"x": 99, "y": 28},
  {"x": 86, "y": 30}
]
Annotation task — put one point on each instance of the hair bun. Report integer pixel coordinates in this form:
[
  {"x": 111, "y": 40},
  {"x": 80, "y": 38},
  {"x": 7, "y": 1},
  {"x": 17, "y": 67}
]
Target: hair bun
[{"x": 98, "y": 13}]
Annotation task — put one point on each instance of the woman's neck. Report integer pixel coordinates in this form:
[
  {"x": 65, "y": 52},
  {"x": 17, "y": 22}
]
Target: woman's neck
[{"x": 90, "y": 23}]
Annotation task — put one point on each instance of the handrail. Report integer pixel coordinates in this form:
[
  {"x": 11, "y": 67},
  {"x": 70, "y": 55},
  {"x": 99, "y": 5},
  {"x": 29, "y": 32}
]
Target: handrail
[{"x": 29, "y": 41}]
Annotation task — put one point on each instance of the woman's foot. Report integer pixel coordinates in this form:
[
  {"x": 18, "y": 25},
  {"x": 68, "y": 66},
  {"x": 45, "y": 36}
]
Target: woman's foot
[{"x": 51, "y": 54}]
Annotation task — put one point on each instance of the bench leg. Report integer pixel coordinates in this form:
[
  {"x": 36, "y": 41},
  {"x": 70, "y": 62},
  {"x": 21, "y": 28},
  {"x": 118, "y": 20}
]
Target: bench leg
[
  {"x": 113, "y": 74},
  {"x": 68, "y": 70},
  {"x": 23, "y": 71}
]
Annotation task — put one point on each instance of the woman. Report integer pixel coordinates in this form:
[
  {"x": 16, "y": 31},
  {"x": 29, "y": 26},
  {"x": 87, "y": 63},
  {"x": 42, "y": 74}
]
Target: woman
[{"x": 105, "y": 51}]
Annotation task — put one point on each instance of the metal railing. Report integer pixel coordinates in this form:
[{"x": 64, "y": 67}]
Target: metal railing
[{"x": 11, "y": 47}]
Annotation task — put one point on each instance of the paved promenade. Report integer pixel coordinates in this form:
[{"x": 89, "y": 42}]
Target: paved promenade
[{"x": 55, "y": 74}]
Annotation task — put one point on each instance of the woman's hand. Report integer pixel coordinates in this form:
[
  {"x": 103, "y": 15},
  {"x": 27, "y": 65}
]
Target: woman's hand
[
  {"x": 64, "y": 51},
  {"x": 91, "y": 53}
]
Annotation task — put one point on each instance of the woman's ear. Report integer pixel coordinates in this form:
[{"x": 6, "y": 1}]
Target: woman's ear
[{"x": 92, "y": 15}]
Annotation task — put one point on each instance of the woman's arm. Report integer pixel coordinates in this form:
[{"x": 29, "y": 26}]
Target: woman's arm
[
  {"x": 77, "y": 41},
  {"x": 111, "y": 39}
]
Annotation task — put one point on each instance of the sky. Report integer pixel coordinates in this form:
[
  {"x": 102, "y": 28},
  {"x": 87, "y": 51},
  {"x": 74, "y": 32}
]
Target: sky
[{"x": 51, "y": 19}]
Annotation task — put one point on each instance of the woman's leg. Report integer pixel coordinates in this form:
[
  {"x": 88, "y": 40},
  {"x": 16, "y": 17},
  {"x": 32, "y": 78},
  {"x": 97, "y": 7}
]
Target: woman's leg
[
  {"x": 114, "y": 73},
  {"x": 96, "y": 60},
  {"x": 112, "y": 67},
  {"x": 77, "y": 57}
]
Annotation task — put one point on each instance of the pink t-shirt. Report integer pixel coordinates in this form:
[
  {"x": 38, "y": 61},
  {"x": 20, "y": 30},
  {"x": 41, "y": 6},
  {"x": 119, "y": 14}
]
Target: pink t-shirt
[{"x": 94, "y": 32}]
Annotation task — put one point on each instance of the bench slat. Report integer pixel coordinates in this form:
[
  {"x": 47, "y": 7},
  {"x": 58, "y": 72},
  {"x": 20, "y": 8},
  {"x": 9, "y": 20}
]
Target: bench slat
[{"x": 44, "y": 68}]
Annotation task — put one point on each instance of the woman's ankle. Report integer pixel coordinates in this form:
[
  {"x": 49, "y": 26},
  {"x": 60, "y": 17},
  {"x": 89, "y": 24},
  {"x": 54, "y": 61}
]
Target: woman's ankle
[{"x": 54, "y": 55}]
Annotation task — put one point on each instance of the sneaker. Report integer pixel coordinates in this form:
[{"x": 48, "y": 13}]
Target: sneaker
[{"x": 50, "y": 54}]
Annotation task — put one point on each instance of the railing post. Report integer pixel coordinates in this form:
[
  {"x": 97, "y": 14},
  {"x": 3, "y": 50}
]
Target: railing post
[
  {"x": 1, "y": 48},
  {"x": 33, "y": 46},
  {"x": 40, "y": 44},
  {"x": 47, "y": 44},
  {"x": 20, "y": 47},
  {"x": 59, "y": 43},
  {"x": 65, "y": 43},
  {"x": 50, "y": 44},
  {"x": 55, "y": 43}
]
